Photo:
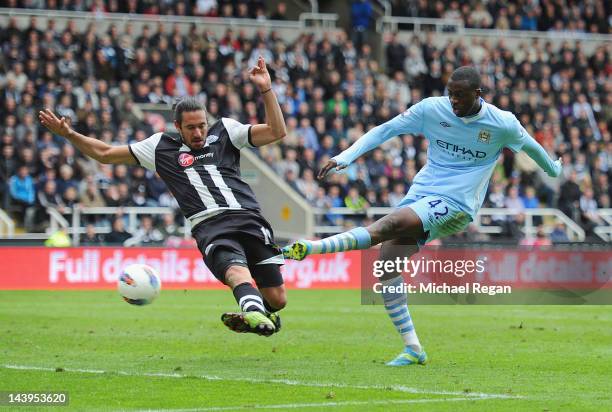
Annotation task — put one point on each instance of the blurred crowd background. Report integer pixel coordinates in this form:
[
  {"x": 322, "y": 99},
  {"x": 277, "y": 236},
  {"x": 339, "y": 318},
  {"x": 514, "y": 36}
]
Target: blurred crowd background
[{"x": 332, "y": 90}]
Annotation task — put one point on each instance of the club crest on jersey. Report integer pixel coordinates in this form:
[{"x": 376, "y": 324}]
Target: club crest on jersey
[
  {"x": 185, "y": 159},
  {"x": 211, "y": 139},
  {"x": 484, "y": 136}
]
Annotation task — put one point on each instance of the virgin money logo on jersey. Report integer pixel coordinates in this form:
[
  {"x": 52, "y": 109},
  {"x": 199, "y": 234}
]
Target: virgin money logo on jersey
[{"x": 185, "y": 159}]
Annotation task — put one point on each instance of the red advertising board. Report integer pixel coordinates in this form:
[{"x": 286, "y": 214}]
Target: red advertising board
[{"x": 99, "y": 267}]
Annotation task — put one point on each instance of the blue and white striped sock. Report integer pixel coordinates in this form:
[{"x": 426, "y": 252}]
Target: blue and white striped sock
[
  {"x": 397, "y": 308},
  {"x": 358, "y": 238}
]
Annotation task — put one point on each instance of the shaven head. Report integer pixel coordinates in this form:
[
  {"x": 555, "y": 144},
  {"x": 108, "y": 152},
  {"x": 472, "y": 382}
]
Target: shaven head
[
  {"x": 468, "y": 74},
  {"x": 464, "y": 91},
  {"x": 190, "y": 121}
]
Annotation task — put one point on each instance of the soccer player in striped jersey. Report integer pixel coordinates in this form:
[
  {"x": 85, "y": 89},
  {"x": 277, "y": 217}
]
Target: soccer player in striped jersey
[
  {"x": 466, "y": 137},
  {"x": 201, "y": 167}
]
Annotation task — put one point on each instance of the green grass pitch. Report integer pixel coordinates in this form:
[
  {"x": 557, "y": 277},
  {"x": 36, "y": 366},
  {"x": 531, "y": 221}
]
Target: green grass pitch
[{"x": 176, "y": 355}]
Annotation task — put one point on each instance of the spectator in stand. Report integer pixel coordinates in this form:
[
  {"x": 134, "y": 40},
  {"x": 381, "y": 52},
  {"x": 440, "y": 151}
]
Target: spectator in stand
[
  {"x": 514, "y": 203},
  {"x": 169, "y": 228},
  {"x": 118, "y": 235},
  {"x": 559, "y": 234},
  {"x": 307, "y": 185},
  {"x": 288, "y": 163},
  {"x": 335, "y": 200},
  {"x": 361, "y": 16},
  {"x": 90, "y": 196},
  {"x": 8, "y": 166},
  {"x": 396, "y": 54},
  {"x": 588, "y": 209},
  {"x": 21, "y": 187},
  {"x": 570, "y": 197},
  {"x": 355, "y": 201},
  {"x": 146, "y": 235},
  {"x": 207, "y": 8},
  {"x": 398, "y": 193},
  {"x": 292, "y": 180},
  {"x": 541, "y": 239},
  {"x": 281, "y": 12},
  {"x": 530, "y": 201},
  {"x": 90, "y": 237},
  {"x": 178, "y": 84}
]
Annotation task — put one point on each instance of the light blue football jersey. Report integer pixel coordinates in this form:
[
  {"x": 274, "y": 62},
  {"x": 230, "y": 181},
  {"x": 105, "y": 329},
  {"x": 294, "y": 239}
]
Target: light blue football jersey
[{"x": 462, "y": 151}]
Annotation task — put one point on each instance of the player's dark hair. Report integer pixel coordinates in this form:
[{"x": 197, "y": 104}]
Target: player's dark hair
[
  {"x": 187, "y": 104},
  {"x": 469, "y": 74}
]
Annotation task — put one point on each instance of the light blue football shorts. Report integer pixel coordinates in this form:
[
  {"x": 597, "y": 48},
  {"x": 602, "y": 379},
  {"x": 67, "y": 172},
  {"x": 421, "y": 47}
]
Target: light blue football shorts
[{"x": 440, "y": 216}]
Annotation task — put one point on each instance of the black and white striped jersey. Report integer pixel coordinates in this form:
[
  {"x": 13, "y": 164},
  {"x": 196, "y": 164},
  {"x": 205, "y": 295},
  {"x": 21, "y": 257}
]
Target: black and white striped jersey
[{"x": 205, "y": 182}]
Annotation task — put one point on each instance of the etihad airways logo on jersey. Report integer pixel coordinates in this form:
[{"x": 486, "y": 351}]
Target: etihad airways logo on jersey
[
  {"x": 187, "y": 159},
  {"x": 460, "y": 150}
]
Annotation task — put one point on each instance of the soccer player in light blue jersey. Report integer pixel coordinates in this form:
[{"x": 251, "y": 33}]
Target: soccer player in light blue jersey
[{"x": 466, "y": 136}]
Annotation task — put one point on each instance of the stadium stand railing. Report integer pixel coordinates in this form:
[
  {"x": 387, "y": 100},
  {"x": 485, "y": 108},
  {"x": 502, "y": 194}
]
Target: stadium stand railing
[
  {"x": 75, "y": 228},
  {"x": 574, "y": 231},
  {"x": 7, "y": 225},
  {"x": 71, "y": 219},
  {"x": 391, "y": 23},
  {"x": 604, "y": 230},
  {"x": 306, "y": 21},
  {"x": 456, "y": 27}
]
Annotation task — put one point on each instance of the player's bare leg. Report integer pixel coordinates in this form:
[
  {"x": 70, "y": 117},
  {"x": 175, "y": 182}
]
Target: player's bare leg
[
  {"x": 398, "y": 232},
  {"x": 275, "y": 299},
  {"x": 396, "y": 303},
  {"x": 402, "y": 223}
]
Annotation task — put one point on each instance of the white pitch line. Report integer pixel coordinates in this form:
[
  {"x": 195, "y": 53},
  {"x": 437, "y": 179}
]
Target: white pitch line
[
  {"x": 313, "y": 405},
  {"x": 396, "y": 388}
]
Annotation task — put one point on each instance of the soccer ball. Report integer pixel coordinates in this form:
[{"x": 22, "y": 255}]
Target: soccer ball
[{"x": 139, "y": 284}]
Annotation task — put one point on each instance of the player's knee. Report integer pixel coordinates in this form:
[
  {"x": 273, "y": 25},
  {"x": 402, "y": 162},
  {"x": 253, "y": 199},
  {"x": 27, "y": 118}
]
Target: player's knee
[
  {"x": 279, "y": 301},
  {"x": 277, "y": 298},
  {"x": 387, "y": 228}
]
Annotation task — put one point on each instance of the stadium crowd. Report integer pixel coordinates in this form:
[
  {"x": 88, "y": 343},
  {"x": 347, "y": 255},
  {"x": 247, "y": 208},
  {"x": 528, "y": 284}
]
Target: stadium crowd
[
  {"x": 555, "y": 15},
  {"x": 331, "y": 93}
]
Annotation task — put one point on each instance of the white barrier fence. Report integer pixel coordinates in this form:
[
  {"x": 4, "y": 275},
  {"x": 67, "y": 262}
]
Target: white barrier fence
[
  {"x": 58, "y": 220},
  {"x": 72, "y": 219}
]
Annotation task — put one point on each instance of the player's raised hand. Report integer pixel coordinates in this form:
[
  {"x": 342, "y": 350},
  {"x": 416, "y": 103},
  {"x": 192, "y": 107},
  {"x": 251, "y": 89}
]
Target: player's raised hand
[
  {"x": 260, "y": 76},
  {"x": 329, "y": 166},
  {"x": 55, "y": 125}
]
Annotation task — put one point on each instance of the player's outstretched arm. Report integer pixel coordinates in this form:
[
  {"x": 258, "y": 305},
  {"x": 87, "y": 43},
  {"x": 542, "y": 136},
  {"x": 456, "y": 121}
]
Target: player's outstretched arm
[
  {"x": 93, "y": 148},
  {"x": 373, "y": 138},
  {"x": 410, "y": 121},
  {"x": 539, "y": 155},
  {"x": 274, "y": 129}
]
